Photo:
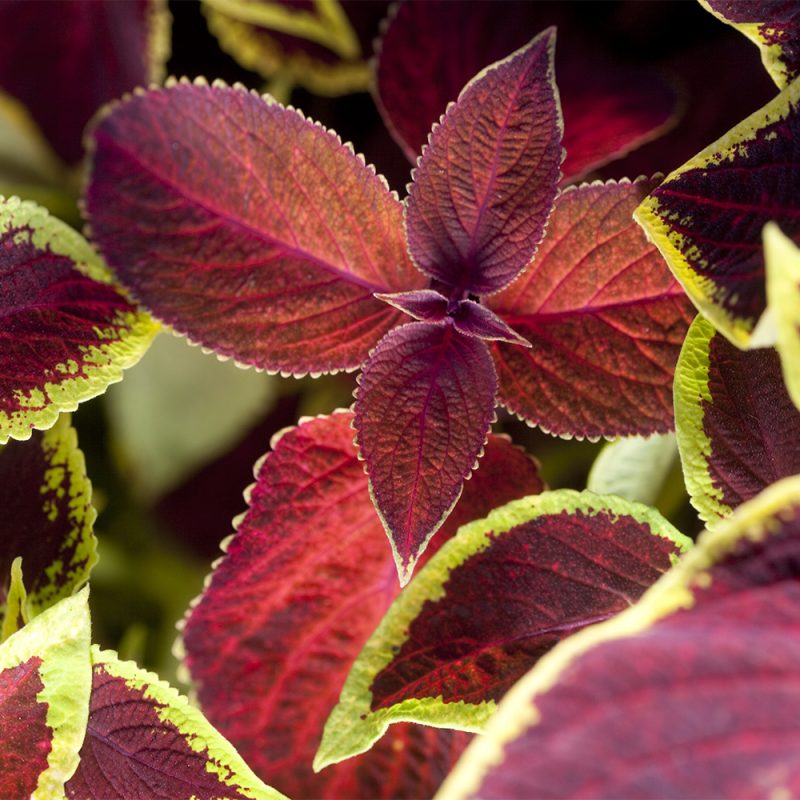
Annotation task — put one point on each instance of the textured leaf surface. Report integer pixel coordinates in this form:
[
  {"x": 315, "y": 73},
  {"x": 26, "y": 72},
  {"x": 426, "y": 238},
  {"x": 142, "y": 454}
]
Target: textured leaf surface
[
  {"x": 608, "y": 108},
  {"x": 246, "y": 227},
  {"x": 64, "y": 60},
  {"x": 693, "y": 692},
  {"x": 783, "y": 295},
  {"x": 737, "y": 426},
  {"x": 312, "y": 534},
  {"x": 143, "y": 739},
  {"x": 45, "y": 680},
  {"x": 707, "y": 217},
  {"x": 773, "y": 25},
  {"x": 424, "y": 408},
  {"x": 604, "y": 316},
  {"x": 66, "y": 333},
  {"x": 46, "y": 499},
  {"x": 492, "y": 601},
  {"x": 485, "y": 185}
]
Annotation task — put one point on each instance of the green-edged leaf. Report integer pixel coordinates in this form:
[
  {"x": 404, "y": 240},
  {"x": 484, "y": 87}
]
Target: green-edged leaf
[
  {"x": 46, "y": 501},
  {"x": 45, "y": 680},
  {"x": 706, "y": 218},
  {"x": 65, "y": 332},
  {"x": 634, "y": 468},
  {"x": 144, "y": 740},
  {"x": 772, "y": 25},
  {"x": 737, "y": 427},
  {"x": 491, "y": 602},
  {"x": 783, "y": 296},
  {"x": 694, "y": 692}
]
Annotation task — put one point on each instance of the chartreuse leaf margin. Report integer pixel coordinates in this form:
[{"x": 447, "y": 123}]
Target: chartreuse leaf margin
[
  {"x": 754, "y": 521},
  {"x": 353, "y": 727},
  {"x": 60, "y": 637}
]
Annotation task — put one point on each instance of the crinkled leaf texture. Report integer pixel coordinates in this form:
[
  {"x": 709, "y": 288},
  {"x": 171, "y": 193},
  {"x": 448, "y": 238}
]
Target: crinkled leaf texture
[
  {"x": 693, "y": 692},
  {"x": 484, "y": 187},
  {"x": 45, "y": 492},
  {"x": 64, "y": 60},
  {"x": 608, "y": 107},
  {"x": 45, "y": 680},
  {"x": 707, "y": 217},
  {"x": 773, "y": 25},
  {"x": 309, "y": 572},
  {"x": 489, "y": 604},
  {"x": 247, "y": 227},
  {"x": 143, "y": 739},
  {"x": 425, "y": 404},
  {"x": 605, "y": 319},
  {"x": 737, "y": 427},
  {"x": 66, "y": 332}
]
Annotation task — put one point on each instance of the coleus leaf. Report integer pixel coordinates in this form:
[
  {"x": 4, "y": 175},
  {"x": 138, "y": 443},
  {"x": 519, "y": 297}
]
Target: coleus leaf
[
  {"x": 773, "y": 25},
  {"x": 311, "y": 533},
  {"x": 485, "y": 185},
  {"x": 424, "y": 407},
  {"x": 693, "y": 692},
  {"x": 737, "y": 427},
  {"x": 604, "y": 316},
  {"x": 64, "y": 60},
  {"x": 45, "y": 680},
  {"x": 45, "y": 491},
  {"x": 489, "y": 604},
  {"x": 783, "y": 295},
  {"x": 248, "y": 228},
  {"x": 143, "y": 739},
  {"x": 608, "y": 108},
  {"x": 707, "y": 216},
  {"x": 66, "y": 331}
]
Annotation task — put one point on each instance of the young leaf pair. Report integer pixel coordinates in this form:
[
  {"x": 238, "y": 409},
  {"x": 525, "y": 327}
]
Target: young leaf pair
[{"x": 257, "y": 234}]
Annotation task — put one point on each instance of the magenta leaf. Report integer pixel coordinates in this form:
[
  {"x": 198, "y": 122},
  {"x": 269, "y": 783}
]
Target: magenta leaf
[
  {"x": 485, "y": 185},
  {"x": 247, "y": 227},
  {"x": 473, "y": 319},
  {"x": 312, "y": 533},
  {"x": 64, "y": 60},
  {"x": 605, "y": 318},
  {"x": 424, "y": 304},
  {"x": 691, "y": 693},
  {"x": 425, "y": 404}
]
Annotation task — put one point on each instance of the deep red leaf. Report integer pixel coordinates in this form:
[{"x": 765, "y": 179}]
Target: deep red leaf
[
  {"x": 473, "y": 319},
  {"x": 608, "y": 108},
  {"x": 485, "y": 185},
  {"x": 424, "y": 304},
  {"x": 247, "y": 227},
  {"x": 312, "y": 534},
  {"x": 64, "y": 60},
  {"x": 424, "y": 408},
  {"x": 26, "y": 740},
  {"x": 605, "y": 317}
]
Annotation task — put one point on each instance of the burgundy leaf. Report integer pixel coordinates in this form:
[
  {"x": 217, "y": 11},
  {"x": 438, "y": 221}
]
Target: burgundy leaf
[
  {"x": 425, "y": 404},
  {"x": 485, "y": 185},
  {"x": 424, "y": 304},
  {"x": 605, "y": 318},
  {"x": 64, "y": 60},
  {"x": 246, "y": 227},
  {"x": 473, "y": 319},
  {"x": 312, "y": 534}
]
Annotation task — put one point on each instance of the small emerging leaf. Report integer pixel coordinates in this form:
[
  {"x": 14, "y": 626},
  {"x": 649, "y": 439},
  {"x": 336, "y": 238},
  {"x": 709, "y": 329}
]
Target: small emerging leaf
[
  {"x": 424, "y": 304},
  {"x": 473, "y": 319}
]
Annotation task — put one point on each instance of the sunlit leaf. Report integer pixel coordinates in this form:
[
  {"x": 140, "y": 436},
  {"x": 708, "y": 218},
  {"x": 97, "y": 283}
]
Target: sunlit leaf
[
  {"x": 693, "y": 692},
  {"x": 425, "y": 404},
  {"x": 736, "y": 424},
  {"x": 143, "y": 739},
  {"x": 605, "y": 318},
  {"x": 707, "y": 217},
  {"x": 246, "y": 227},
  {"x": 489, "y": 604},
  {"x": 66, "y": 332},
  {"x": 485, "y": 185},
  {"x": 312, "y": 535},
  {"x": 46, "y": 499},
  {"x": 45, "y": 680}
]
